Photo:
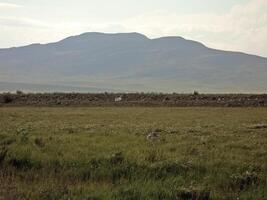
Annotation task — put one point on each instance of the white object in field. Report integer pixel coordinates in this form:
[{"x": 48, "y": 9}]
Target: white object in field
[
  {"x": 153, "y": 136},
  {"x": 118, "y": 99}
]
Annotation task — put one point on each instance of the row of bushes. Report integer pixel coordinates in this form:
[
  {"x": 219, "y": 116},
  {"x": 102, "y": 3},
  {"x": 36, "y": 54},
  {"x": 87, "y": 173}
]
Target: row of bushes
[{"x": 129, "y": 99}]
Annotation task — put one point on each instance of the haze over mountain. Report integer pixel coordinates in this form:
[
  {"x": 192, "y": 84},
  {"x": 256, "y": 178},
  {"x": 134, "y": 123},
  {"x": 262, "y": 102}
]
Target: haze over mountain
[{"x": 130, "y": 62}]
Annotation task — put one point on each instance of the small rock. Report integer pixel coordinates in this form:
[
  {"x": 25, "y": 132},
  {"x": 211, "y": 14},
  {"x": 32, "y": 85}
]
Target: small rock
[{"x": 153, "y": 136}]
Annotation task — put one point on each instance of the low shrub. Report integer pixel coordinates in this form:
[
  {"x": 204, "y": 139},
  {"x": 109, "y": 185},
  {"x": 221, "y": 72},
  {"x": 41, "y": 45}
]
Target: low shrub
[
  {"x": 243, "y": 181},
  {"x": 39, "y": 142},
  {"x": 24, "y": 163},
  {"x": 127, "y": 194},
  {"x": 3, "y": 154},
  {"x": 7, "y": 99},
  {"x": 117, "y": 158},
  {"x": 19, "y": 92},
  {"x": 59, "y": 193},
  {"x": 193, "y": 194},
  {"x": 6, "y": 140},
  {"x": 196, "y": 93}
]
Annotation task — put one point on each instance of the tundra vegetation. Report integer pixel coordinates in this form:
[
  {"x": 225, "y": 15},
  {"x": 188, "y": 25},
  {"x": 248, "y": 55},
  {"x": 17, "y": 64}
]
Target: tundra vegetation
[{"x": 105, "y": 153}]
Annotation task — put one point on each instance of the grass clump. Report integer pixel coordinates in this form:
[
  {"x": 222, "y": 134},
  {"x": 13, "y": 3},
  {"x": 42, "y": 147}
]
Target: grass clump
[
  {"x": 244, "y": 181},
  {"x": 3, "y": 154},
  {"x": 193, "y": 194},
  {"x": 39, "y": 142},
  {"x": 127, "y": 194}
]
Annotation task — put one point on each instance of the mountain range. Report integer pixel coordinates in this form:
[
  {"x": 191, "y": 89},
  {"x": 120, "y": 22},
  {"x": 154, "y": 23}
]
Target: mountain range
[{"x": 128, "y": 62}]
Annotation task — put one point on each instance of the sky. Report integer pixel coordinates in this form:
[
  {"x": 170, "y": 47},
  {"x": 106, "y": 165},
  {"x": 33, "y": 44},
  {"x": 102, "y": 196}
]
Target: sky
[{"x": 236, "y": 25}]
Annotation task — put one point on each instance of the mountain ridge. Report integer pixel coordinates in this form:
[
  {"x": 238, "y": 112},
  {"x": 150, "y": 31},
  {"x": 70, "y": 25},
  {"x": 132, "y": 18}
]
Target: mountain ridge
[
  {"x": 164, "y": 64},
  {"x": 132, "y": 33}
]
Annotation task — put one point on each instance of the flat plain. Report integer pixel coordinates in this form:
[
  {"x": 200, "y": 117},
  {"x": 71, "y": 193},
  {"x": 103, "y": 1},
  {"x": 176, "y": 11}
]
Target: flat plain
[{"x": 104, "y": 153}]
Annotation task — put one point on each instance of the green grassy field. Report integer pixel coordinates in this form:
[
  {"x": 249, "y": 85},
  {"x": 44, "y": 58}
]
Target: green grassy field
[{"x": 104, "y": 153}]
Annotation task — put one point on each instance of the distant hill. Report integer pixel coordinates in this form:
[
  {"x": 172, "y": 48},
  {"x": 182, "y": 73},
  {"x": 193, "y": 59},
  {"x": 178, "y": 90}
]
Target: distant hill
[{"x": 132, "y": 62}]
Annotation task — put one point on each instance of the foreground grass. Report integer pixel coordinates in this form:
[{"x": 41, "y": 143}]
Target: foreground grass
[{"x": 103, "y": 153}]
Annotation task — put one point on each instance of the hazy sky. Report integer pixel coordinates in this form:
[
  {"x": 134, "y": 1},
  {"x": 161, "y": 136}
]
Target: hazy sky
[{"x": 225, "y": 24}]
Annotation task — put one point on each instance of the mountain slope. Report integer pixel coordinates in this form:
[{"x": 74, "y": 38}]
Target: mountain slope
[{"x": 133, "y": 62}]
